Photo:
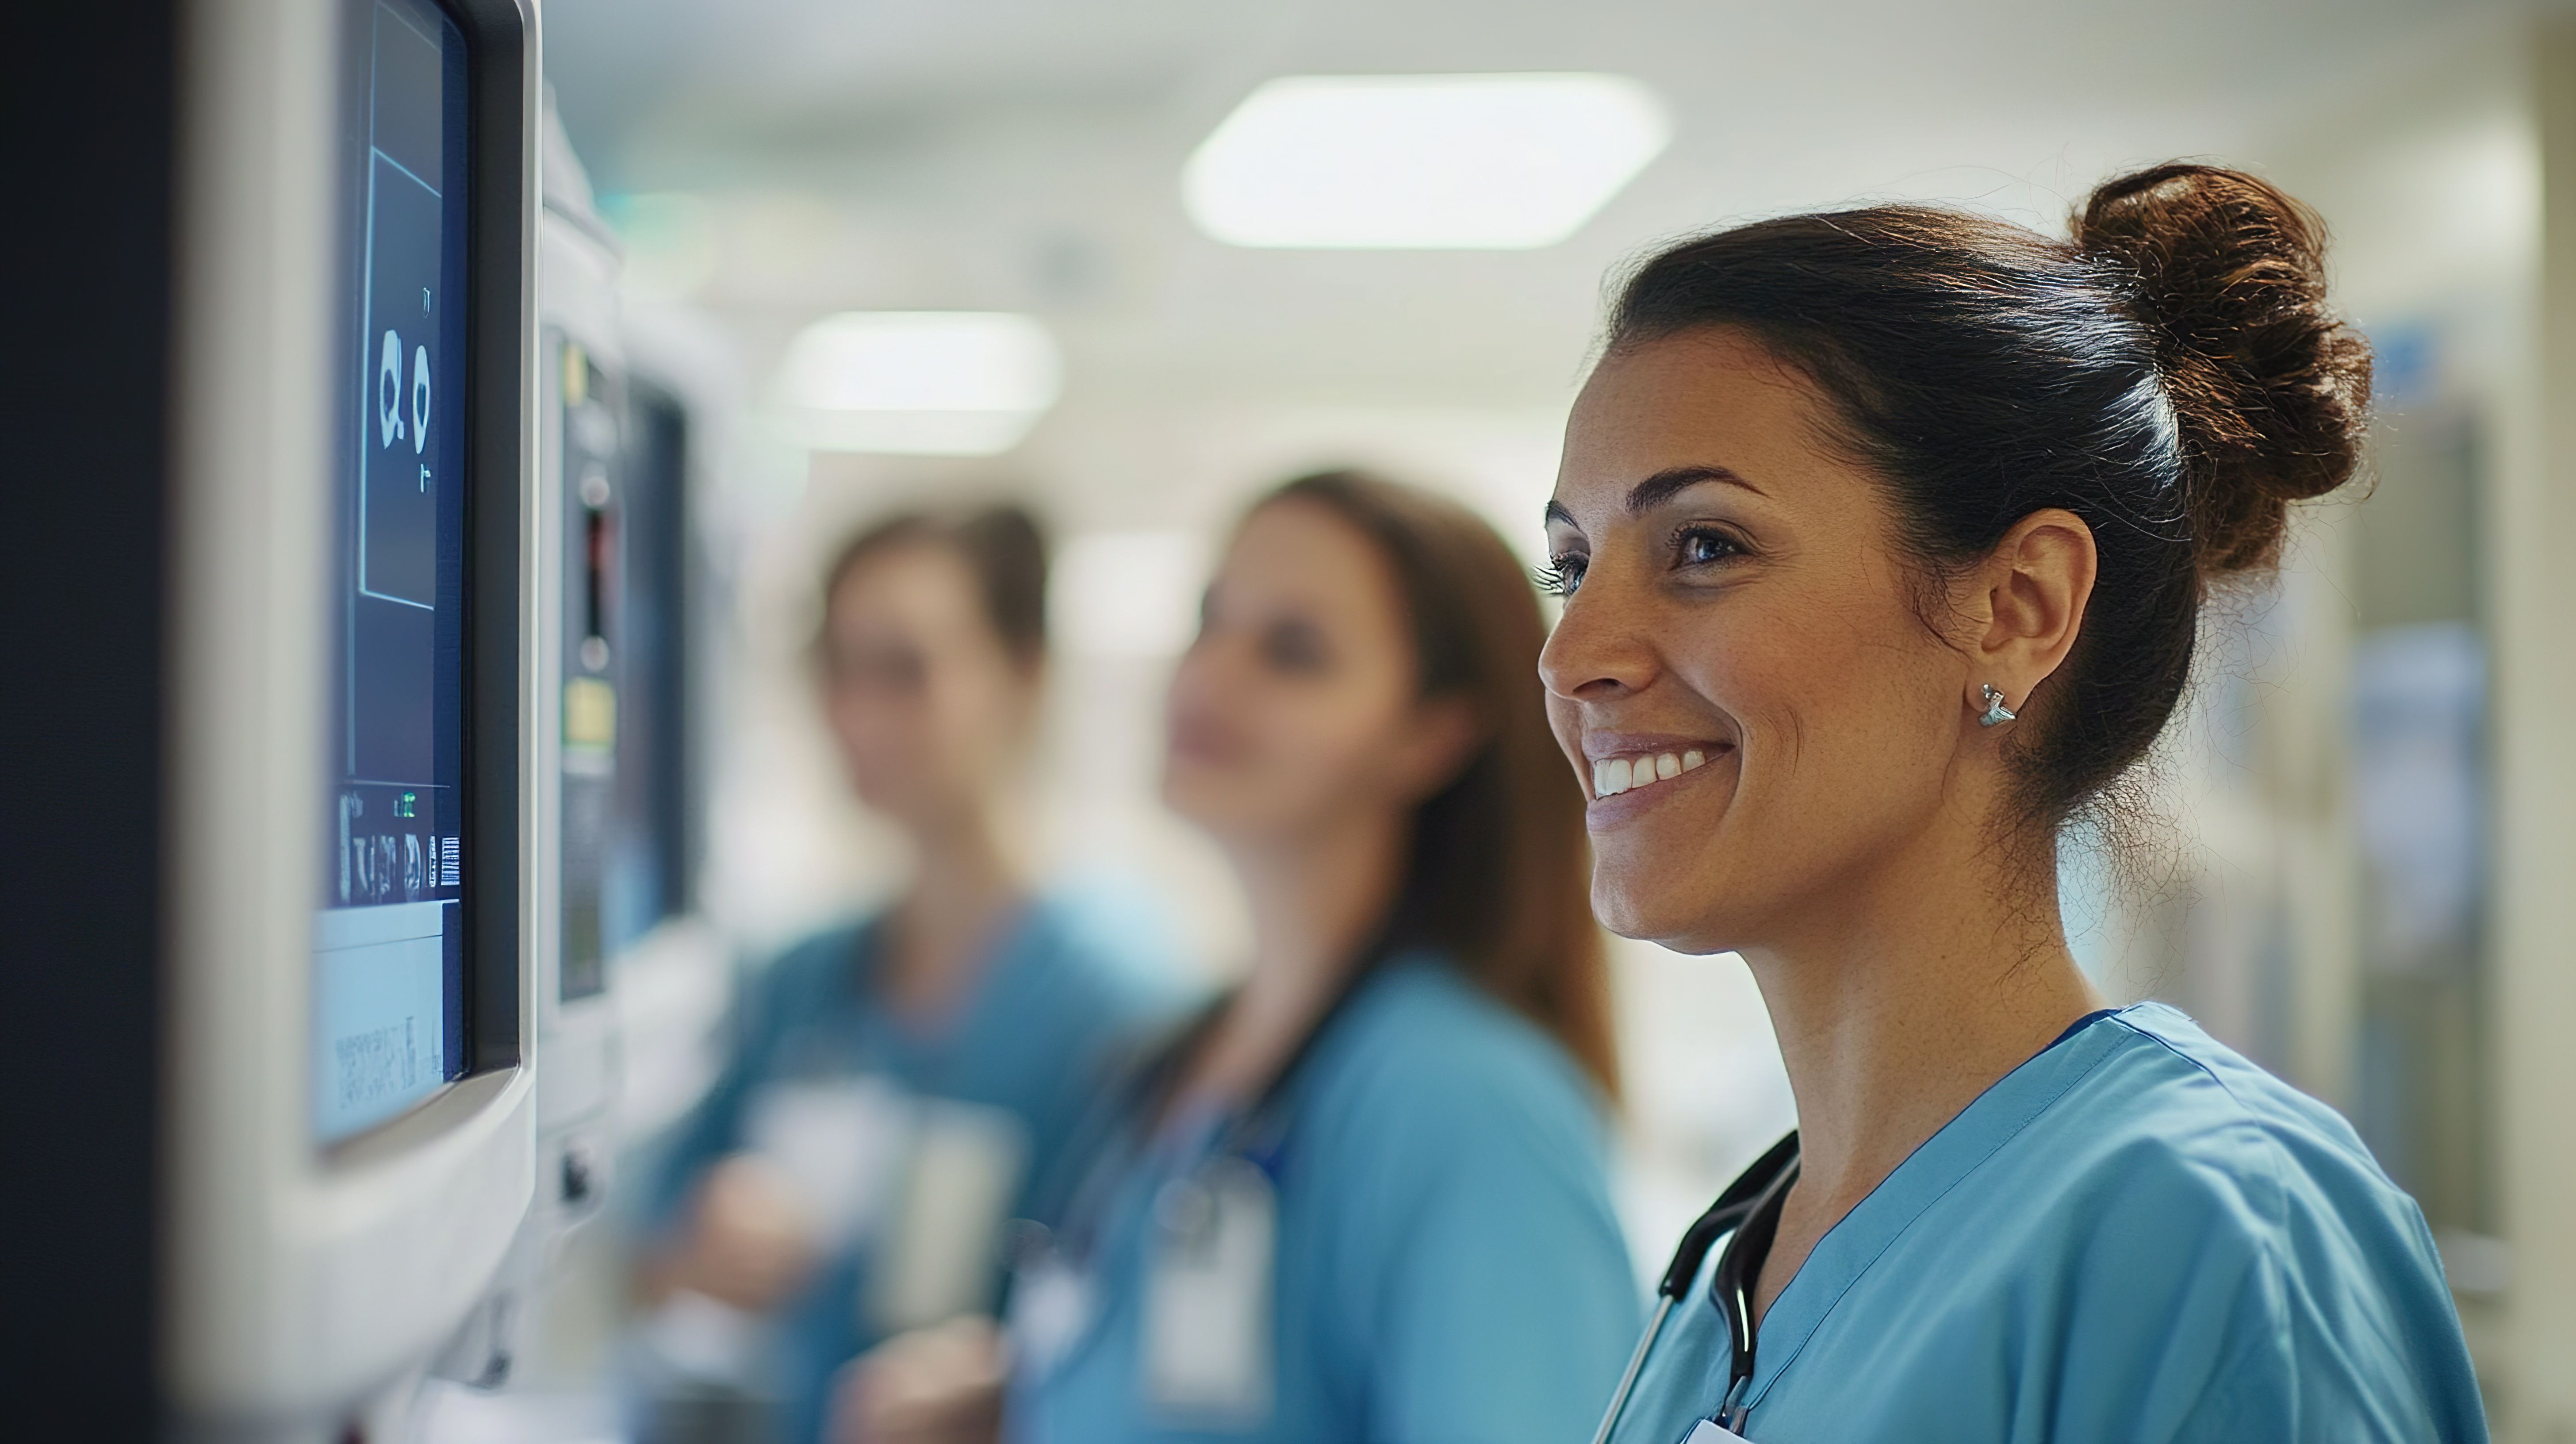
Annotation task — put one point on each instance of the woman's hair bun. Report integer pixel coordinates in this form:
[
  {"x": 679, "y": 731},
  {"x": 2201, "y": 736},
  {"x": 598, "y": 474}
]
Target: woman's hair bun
[{"x": 2270, "y": 387}]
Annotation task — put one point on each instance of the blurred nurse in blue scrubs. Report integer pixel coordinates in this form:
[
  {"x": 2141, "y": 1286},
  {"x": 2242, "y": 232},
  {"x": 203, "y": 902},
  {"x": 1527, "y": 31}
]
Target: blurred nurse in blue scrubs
[
  {"x": 1361, "y": 1199},
  {"x": 1885, "y": 537},
  {"x": 903, "y": 1081}
]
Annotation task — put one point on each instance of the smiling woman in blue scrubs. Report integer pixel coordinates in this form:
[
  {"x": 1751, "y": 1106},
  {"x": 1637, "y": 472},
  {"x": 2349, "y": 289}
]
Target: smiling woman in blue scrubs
[
  {"x": 1885, "y": 537},
  {"x": 1363, "y": 1198}
]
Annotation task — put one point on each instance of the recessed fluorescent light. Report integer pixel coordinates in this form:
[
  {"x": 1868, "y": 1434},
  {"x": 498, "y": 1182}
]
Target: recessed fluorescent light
[
  {"x": 1448, "y": 162},
  {"x": 925, "y": 383}
]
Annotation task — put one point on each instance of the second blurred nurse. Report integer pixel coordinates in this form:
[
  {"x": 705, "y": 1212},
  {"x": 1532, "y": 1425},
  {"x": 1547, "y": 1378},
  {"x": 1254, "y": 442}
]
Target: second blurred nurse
[
  {"x": 902, "y": 1081},
  {"x": 1363, "y": 1198}
]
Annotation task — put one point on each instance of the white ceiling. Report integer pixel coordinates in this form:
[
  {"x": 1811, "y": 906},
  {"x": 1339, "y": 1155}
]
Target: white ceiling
[{"x": 1025, "y": 154}]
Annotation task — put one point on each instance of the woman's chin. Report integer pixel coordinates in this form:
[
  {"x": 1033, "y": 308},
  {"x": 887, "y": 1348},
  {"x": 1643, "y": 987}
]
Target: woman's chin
[
  {"x": 1210, "y": 805},
  {"x": 1651, "y": 899}
]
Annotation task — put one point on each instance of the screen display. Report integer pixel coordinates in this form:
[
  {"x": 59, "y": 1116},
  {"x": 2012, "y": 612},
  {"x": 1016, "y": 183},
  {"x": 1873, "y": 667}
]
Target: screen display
[
  {"x": 654, "y": 830},
  {"x": 389, "y": 942},
  {"x": 593, "y": 661}
]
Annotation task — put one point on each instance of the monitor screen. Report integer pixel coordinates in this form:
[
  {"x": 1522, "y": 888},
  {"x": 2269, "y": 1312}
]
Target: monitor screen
[
  {"x": 389, "y": 966},
  {"x": 593, "y": 651},
  {"x": 652, "y": 823}
]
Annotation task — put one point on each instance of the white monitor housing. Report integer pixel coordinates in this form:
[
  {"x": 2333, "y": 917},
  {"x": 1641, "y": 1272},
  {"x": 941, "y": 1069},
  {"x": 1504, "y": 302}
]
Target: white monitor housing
[
  {"x": 584, "y": 706},
  {"x": 355, "y": 902}
]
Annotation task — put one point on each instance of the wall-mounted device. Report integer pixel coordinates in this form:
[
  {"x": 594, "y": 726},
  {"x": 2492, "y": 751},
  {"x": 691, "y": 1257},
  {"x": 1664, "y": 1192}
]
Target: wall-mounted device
[
  {"x": 354, "y": 902},
  {"x": 582, "y": 665}
]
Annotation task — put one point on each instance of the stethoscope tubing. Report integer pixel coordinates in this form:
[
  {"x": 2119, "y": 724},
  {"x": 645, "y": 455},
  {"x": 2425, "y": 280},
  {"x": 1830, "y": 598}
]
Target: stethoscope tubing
[
  {"x": 1636, "y": 1366},
  {"x": 1741, "y": 1200}
]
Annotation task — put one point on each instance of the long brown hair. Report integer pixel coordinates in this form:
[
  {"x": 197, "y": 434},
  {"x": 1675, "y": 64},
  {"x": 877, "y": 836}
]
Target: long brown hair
[{"x": 1499, "y": 874}]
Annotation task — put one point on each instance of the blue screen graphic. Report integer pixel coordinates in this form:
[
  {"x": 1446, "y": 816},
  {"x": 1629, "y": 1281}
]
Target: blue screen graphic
[{"x": 388, "y": 986}]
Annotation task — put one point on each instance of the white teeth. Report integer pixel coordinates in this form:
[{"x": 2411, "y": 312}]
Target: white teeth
[{"x": 1614, "y": 775}]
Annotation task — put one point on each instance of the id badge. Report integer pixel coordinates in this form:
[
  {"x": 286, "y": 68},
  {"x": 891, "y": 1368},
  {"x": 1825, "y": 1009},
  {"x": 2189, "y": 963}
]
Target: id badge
[
  {"x": 841, "y": 1142},
  {"x": 1208, "y": 1295},
  {"x": 940, "y": 1252},
  {"x": 1709, "y": 1431},
  {"x": 1051, "y": 1309}
]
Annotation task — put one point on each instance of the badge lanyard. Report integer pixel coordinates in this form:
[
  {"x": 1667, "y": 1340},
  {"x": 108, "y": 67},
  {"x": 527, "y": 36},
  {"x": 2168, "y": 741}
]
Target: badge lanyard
[{"x": 1755, "y": 1194}]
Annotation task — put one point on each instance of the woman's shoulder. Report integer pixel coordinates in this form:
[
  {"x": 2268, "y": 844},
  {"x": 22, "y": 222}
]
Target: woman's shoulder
[
  {"x": 820, "y": 962},
  {"x": 1422, "y": 1052},
  {"x": 1091, "y": 951},
  {"x": 2171, "y": 1163},
  {"x": 2166, "y": 1102},
  {"x": 1433, "y": 1105},
  {"x": 2169, "y": 1178}
]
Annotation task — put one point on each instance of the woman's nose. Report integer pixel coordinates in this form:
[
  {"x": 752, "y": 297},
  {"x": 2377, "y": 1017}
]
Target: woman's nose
[
  {"x": 1206, "y": 670},
  {"x": 1597, "y": 650}
]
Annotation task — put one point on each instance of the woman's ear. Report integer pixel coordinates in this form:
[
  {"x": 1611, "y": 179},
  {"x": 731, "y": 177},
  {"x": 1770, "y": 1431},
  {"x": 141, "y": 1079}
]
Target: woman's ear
[
  {"x": 1033, "y": 670},
  {"x": 1441, "y": 735},
  {"x": 2027, "y": 603}
]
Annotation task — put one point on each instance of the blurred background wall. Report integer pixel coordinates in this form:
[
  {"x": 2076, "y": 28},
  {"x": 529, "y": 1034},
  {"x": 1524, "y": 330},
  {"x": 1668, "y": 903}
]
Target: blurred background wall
[{"x": 2357, "y": 859}]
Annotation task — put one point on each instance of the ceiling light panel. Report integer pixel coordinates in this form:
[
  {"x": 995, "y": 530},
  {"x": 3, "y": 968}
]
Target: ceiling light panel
[
  {"x": 929, "y": 383},
  {"x": 1422, "y": 162}
]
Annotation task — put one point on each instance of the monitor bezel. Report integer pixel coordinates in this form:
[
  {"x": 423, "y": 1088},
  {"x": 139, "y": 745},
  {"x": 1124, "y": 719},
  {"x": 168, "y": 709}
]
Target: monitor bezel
[{"x": 499, "y": 229}]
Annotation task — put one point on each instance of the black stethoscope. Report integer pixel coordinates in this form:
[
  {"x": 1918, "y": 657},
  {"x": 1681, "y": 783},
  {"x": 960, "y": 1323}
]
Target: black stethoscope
[{"x": 1748, "y": 1212}]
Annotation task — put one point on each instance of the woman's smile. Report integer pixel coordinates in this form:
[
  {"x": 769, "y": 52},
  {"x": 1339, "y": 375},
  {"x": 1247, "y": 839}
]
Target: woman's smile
[{"x": 1634, "y": 772}]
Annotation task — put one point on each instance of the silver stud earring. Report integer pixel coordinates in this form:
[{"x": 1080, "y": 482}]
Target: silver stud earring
[{"x": 1996, "y": 713}]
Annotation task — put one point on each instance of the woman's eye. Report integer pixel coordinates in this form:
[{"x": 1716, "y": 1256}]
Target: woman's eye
[
  {"x": 1701, "y": 546},
  {"x": 1292, "y": 647},
  {"x": 1563, "y": 574},
  {"x": 880, "y": 669}
]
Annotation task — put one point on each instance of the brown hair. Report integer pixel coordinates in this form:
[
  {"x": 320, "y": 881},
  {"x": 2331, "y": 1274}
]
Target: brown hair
[
  {"x": 2171, "y": 374},
  {"x": 1499, "y": 874},
  {"x": 1001, "y": 546}
]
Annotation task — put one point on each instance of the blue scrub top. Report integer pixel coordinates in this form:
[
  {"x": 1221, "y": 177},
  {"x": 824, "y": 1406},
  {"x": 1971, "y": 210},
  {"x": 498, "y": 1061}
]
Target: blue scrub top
[
  {"x": 2136, "y": 1235},
  {"x": 1079, "y": 977},
  {"x": 1447, "y": 1267}
]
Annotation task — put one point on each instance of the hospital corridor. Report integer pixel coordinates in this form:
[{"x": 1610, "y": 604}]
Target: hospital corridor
[{"x": 1414, "y": 722}]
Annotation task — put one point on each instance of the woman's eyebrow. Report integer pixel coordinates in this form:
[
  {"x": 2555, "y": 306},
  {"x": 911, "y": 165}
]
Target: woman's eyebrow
[{"x": 1661, "y": 487}]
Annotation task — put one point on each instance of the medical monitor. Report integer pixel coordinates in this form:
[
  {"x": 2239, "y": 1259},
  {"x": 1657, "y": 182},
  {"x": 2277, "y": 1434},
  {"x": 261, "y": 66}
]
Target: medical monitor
[
  {"x": 350, "y": 1119},
  {"x": 390, "y": 991}
]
